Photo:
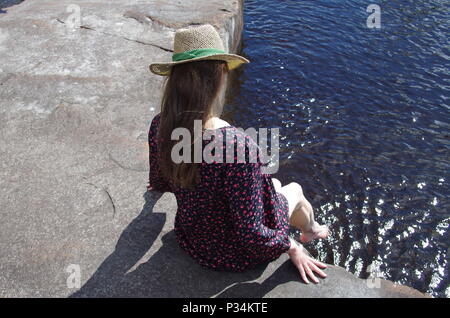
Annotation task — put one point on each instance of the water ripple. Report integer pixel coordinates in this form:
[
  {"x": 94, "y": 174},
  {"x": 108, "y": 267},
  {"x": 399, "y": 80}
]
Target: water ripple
[{"x": 364, "y": 122}]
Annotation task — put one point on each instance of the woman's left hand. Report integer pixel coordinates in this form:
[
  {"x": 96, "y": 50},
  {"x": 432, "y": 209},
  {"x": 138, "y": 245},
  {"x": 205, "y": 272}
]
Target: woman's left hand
[{"x": 305, "y": 264}]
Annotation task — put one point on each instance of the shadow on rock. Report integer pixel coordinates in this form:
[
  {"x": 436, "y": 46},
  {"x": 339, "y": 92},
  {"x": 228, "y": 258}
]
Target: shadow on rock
[
  {"x": 284, "y": 274},
  {"x": 169, "y": 272}
]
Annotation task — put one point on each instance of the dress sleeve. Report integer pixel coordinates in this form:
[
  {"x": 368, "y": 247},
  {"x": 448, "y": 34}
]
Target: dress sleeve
[
  {"x": 156, "y": 180},
  {"x": 259, "y": 222}
]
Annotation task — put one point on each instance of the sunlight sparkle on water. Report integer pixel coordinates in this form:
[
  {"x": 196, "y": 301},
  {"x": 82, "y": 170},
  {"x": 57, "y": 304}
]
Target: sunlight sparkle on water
[{"x": 435, "y": 201}]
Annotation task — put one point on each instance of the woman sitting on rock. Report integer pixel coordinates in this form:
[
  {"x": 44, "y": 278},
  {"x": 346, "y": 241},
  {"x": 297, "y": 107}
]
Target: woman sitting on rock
[{"x": 230, "y": 216}]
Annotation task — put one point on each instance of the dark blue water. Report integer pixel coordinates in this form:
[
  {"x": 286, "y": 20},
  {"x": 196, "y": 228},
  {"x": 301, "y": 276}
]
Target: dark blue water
[
  {"x": 365, "y": 122},
  {"x": 7, "y": 3}
]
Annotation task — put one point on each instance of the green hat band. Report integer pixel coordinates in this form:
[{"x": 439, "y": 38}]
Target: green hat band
[{"x": 195, "y": 53}]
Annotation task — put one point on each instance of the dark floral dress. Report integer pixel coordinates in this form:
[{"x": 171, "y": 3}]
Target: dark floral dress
[{"x": 234, "y": 219}]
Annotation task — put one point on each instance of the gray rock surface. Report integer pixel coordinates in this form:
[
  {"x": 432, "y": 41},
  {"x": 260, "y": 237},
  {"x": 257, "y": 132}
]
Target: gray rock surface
[{"x": 76, "y": 100}]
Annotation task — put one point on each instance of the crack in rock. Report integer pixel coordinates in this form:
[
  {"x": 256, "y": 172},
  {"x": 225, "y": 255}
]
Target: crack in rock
[
  {"x": 122, "y": 166},
  {"x": 122, "y": 37},
  {"x": 109, "y": 196}
]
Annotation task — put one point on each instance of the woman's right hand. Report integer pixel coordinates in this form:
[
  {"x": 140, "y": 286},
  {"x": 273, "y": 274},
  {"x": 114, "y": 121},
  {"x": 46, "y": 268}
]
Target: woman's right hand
[{"x": 305, "y": 264}]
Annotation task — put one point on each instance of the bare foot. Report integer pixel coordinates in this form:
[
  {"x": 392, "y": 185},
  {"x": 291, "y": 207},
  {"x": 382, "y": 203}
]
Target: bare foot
[{"x": 318, "y": 232}]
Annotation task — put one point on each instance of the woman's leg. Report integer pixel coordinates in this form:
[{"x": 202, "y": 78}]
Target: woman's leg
[{"x": 301, "y": 215}]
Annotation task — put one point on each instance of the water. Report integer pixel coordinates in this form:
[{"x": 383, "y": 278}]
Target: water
[
  {"x": 7, "y": 3},
  {"x": 364, "y": 118}
]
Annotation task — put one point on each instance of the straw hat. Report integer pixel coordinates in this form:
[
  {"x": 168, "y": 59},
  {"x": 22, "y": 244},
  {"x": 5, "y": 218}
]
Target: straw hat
[{"x": 195, "y": 43}]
